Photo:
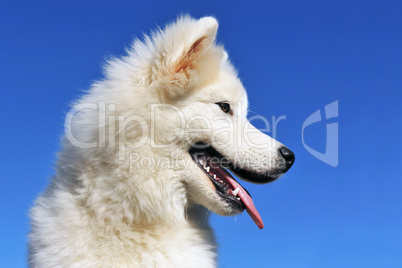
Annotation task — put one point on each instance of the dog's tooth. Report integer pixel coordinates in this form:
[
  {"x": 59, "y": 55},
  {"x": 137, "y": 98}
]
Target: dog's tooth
[
  {"x": 207, "y": 169},
  {"x": 215, "y": 176},
  {"x": 236, "y": 191},
  {"x": 201, "y": 162},
  {"x": 238, "y": 198}
]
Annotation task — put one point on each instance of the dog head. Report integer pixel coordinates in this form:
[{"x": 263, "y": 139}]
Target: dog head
[
  {"x": 202, "y": 115},
  {"x": 176, "y": 103}
]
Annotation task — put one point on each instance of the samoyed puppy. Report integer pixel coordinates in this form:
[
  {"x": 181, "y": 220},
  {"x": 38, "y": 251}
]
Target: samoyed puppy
[{"x": 146, "y": 155}]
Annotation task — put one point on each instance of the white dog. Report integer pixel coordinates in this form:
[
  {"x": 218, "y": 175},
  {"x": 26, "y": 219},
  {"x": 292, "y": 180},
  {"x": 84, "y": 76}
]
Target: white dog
[{"x": 145, "y": 155}]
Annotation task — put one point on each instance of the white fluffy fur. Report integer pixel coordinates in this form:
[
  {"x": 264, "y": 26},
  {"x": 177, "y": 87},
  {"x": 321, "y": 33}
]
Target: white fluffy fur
[{"x": 99, "y": 210}]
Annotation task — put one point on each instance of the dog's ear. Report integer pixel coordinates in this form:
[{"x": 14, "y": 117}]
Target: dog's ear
[{"x": 181, "y": 50}]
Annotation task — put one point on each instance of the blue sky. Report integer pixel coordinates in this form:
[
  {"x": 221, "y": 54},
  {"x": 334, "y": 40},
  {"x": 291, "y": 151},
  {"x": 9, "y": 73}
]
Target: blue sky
[{"x": 294, "y": 57}]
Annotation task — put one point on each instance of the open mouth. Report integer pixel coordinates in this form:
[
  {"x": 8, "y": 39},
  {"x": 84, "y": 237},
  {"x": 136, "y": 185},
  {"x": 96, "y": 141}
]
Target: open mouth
[{"x": 214, "y": 166}]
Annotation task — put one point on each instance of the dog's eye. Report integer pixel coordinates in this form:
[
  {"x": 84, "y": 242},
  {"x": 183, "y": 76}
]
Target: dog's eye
[{"x": 224, "y": 106}]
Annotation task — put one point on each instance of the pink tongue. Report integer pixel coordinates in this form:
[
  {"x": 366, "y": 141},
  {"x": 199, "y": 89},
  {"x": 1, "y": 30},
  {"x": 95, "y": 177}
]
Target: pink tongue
[
  {"x": 246, "y": 198},
  {"x": 248, "y": 201}
]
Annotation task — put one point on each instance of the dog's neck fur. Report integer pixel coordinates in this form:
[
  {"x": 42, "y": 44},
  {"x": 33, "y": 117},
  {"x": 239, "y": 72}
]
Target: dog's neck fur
[
  {"x": 112, "y": 227},
  {"x": 106, "y": 228}
]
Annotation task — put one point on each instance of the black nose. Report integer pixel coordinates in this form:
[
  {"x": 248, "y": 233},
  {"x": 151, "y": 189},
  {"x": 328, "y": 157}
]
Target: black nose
[{"x": 289, "y": 157}]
